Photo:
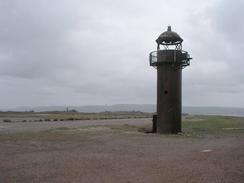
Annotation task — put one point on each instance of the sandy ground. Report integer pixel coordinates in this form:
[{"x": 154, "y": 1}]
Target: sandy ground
[{"x": 117, "y": 153}]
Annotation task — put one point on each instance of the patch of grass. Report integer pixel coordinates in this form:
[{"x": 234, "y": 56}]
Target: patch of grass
[
  {"x": 212, "y": 124},
  {"x": 124, "y": 128},
  {"x": 43, "y": 135},
  {"x": 63, "y": 128}
]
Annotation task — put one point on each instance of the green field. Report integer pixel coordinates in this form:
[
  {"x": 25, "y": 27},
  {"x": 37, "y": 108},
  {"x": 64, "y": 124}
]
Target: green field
[{"x": 212, "y": 125}]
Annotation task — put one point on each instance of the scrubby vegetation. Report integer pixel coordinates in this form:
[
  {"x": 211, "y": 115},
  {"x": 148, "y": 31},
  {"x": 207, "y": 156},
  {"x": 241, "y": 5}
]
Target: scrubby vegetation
[{"x": 68, "y": 116}]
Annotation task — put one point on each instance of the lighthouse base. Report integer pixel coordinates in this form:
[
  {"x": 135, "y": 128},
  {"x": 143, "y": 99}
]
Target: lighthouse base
[{"x": 169, "y": 80}]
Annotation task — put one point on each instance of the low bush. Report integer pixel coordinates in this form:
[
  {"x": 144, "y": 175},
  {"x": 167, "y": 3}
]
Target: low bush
[{"x": 71, "y": 119}]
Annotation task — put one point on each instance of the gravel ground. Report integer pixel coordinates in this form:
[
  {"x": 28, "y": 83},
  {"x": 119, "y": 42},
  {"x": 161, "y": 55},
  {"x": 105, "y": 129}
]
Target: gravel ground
[{"x": 117, "y": 153}]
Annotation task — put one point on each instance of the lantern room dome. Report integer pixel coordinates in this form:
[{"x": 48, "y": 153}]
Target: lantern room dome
[{"x": 169, "y": 37}]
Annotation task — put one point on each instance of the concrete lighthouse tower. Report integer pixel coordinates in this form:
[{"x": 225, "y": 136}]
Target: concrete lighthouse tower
[{"x": 169, "y": 62}]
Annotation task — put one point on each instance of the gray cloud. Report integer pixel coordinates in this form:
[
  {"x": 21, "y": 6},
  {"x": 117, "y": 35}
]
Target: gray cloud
[{"x": 71, "y": 52}]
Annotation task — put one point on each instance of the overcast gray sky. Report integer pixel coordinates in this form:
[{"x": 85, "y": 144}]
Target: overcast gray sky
[{"x": 76, "y": 52}]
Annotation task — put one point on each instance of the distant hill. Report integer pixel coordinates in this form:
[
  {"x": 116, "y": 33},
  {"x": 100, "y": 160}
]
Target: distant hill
[{"x": 228, "y": 111}]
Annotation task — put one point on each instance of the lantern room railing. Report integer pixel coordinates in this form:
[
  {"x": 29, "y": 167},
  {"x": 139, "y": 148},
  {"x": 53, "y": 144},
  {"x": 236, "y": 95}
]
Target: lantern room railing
[{"x": 179, "y": 63}]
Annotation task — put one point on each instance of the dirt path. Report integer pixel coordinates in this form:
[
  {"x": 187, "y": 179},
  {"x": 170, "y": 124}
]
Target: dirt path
[{"x": 121, "y": 154}]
